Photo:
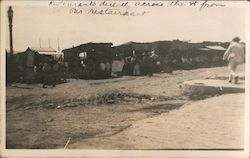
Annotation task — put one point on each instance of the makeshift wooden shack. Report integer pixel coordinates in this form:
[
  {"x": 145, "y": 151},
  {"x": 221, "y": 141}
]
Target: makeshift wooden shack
[
  {"x": 35, "y": 55},
  {"x": 178, "y": 54},
  {"x": 83, "y": 60},
  {"x": 207, "y": 56},
  {"x": 29, "y": 60}
]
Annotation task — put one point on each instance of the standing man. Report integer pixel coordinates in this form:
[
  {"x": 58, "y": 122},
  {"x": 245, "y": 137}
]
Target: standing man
[
  {"x": 235, "y": 56},
  {"x": 107, "y": 69}
]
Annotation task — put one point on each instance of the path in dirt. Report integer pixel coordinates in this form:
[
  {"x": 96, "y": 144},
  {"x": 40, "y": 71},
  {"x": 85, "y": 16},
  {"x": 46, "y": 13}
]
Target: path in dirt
[{"x": 214, "y": 123}]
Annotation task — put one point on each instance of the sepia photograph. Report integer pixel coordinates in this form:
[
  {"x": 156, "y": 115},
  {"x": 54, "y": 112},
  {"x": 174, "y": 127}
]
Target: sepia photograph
[{"x": 132, "y": 76}]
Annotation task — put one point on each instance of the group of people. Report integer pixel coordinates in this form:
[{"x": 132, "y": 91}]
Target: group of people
[
  {"x": 95, "y": 70},
  {"x": 141, "y": 65},
  {"x": 51, "y": 72}
]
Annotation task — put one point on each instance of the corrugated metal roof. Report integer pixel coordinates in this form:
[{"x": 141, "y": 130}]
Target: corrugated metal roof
[
  {"x": 50, "y": 53},
  {"x": 39, "y": 49},
  {"x": 45, "y": 51},
  {"x": 215, "y": 47},
  {"x": 207, "y": 48}
]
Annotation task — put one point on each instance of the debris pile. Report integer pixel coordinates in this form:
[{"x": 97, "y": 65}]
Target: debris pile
[{"x": 104, "y": 98}]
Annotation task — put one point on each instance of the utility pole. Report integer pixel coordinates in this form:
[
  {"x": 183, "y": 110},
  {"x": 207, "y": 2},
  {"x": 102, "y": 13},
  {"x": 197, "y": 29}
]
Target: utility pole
[
  {"x": 10, "y": 16},
  {"x": 10, "y": 73}
]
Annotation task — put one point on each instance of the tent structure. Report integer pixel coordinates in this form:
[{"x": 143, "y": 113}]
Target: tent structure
[
  {"x": 35, "y": 55},
  {"x": 216, "y": 48}
]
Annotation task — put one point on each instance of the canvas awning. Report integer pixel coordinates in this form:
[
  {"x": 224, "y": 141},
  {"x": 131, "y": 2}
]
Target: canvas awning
[{"x": 213, "y": 48}]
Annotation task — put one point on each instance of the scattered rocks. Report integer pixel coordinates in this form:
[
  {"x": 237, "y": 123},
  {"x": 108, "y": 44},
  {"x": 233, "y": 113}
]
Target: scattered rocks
[
  {"x": 50, "y": 105},
  {"x": 152, "y": 98},
  {"x": 50, "y": 120},
  {"x": 110, "y": 97},
  {"x": 70, "y": 105},
  {"x": 27, "y": 108},
  {"x": 73, "y": 105},
  {"x": 111, "y": 101}
]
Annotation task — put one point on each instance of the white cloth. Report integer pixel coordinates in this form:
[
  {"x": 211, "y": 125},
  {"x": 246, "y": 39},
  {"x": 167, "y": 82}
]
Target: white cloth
[
  {"x": 107, "y": 66},
  {"x": 136, "y": 70},
  {"x": 117, "y": 65},
  {"x": 102, "y": 66},
  {"x": 235, "y": 53}
]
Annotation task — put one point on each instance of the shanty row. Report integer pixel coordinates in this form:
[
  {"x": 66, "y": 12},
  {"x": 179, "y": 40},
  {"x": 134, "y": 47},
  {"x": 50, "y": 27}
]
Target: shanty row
[{"x": 103, "y": 60}]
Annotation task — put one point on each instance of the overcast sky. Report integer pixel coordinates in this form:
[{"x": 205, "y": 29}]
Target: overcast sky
[{"x": 32, "y": 23}]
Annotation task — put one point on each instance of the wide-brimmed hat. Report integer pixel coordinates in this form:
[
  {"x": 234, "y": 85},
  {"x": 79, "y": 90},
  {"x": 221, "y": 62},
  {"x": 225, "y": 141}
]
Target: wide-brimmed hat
[{"x": 236, "y": 39}]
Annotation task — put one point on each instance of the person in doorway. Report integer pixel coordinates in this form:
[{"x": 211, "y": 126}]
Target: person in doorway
[
  {"x": 148, "y": 65},
  {"x": 55, "y": 76},
  {"x": 46, "y": 69},
  {"x": 107, "y": 69},
  {"x": 235, "y": 56},
  {"x": 136, "y": 66}
]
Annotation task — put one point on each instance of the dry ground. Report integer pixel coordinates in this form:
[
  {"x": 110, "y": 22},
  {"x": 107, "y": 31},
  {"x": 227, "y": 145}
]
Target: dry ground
[
  {"x": 214, "y": 123},
  {"x": 86, "y": 109}
]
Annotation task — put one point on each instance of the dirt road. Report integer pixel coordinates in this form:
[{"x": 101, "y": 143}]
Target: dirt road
[
  {"x": 213, "y": 123},
  {"x": 86, "y": 109}
]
